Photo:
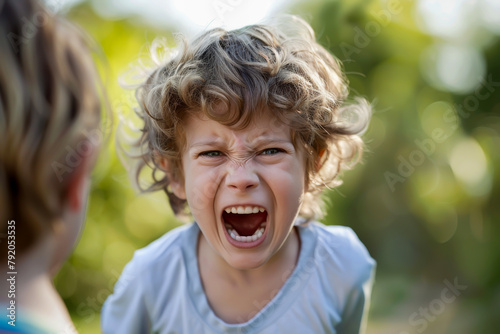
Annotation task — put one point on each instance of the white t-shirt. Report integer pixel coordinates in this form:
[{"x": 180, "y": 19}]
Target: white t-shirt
[{"x": 160, "y": 290}]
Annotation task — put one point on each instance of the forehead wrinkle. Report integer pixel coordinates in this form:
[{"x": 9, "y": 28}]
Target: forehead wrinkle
[
  {"x": 209, "y": 142},
  {"x": 260, "y": 135}
]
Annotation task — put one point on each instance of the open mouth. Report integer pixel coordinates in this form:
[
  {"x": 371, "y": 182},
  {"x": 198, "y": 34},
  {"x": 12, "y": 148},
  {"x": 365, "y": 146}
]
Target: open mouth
[{"x": 245, "y": 223}]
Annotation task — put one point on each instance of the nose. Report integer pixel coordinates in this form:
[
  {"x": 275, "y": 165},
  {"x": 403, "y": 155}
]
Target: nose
[{"x": 242, "y": 177}]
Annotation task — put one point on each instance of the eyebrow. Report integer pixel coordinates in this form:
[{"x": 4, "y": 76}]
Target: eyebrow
[
  {"x": 270, "y": 140},
  {"x": 214, "y": 142}
]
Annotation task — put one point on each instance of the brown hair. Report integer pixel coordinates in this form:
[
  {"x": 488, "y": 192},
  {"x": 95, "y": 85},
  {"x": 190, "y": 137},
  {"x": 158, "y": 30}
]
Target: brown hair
[
  {"x": 229, "y": 76},
  {"x": 49, "y": 111}
]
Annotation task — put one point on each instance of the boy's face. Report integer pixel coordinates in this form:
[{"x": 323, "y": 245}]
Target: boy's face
[{"x": 244, "y": 187}]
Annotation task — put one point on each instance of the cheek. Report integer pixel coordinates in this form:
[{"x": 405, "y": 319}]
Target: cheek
[
  {"x": 290, "y": 187},
  {"x": 294, "y": 194},
  {"x": 201, "y": 188}
]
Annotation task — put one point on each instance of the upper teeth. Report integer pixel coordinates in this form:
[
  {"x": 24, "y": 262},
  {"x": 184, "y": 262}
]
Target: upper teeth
[{"x": 244, "y": 209}]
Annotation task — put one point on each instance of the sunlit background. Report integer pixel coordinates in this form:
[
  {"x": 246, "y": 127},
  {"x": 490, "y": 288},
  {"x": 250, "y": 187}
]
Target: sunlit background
[{"x": 423, "y": 201}]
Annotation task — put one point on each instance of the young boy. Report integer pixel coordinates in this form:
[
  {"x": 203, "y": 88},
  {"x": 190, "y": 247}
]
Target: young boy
[
  {"x": 247, "y": 127},
  {"x": 49, "y": 123}
]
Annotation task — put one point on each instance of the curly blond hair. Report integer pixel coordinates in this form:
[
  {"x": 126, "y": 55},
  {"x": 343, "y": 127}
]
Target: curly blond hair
[{"x": 230, "y": 76}]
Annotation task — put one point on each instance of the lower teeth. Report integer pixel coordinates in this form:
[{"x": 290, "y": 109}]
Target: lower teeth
[{"x": 257, "y": 234}]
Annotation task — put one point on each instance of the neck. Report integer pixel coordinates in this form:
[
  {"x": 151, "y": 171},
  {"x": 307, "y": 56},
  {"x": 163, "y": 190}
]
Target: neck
[
  {"x": 236, "y": 295},
  {"x": 279, "y": 265},
  {"x": 35, "y": 296}
]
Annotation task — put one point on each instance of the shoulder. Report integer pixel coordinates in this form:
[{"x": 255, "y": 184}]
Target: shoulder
[
  {"x": 344, "y": 254},
  {"x": 171, "y": 242},
  {"x": 163, "y": 254},
  {"x": 141, "y": 286},
  {"x": 346, "y": 275},
  {"x": 25, "y": 323}
]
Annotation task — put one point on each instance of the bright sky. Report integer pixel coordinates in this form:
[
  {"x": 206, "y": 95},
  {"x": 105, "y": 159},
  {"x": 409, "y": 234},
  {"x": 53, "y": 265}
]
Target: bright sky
[{"x": 188, "y": 16}]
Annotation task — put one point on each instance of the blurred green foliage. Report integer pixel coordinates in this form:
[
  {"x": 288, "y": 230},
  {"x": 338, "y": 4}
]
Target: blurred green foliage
[{"x": 424, "y": 201}]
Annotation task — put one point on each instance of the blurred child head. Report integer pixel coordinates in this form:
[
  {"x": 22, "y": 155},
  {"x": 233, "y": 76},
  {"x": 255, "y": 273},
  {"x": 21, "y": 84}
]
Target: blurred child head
[
  {"x": 277, "y": 71},
  {"x": 49, "y": 121}
]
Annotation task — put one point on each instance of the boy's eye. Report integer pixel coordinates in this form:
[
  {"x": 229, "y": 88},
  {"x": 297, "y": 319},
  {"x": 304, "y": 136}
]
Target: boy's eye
[
  {"x": 211, "y": 154},
  {"x": 271, "y": 151}
]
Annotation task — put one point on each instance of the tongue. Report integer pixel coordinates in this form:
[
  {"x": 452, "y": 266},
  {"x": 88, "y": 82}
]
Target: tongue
[{"x": 246, "y": 224}]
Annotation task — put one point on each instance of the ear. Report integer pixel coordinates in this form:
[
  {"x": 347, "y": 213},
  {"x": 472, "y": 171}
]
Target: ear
[{"x": 176, "y": 185}]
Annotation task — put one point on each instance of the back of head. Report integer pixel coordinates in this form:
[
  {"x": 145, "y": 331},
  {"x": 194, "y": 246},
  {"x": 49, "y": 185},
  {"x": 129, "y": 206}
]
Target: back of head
[{"x": 49, "y": 105}]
